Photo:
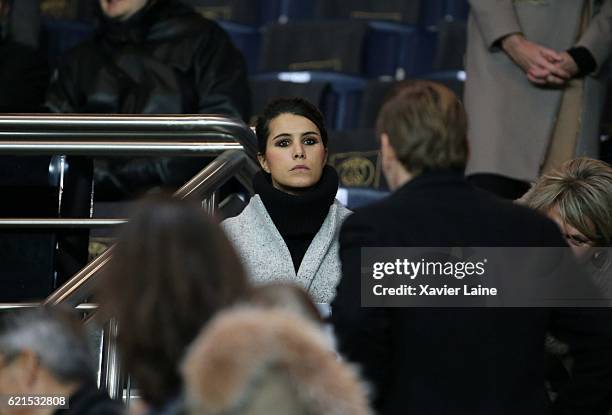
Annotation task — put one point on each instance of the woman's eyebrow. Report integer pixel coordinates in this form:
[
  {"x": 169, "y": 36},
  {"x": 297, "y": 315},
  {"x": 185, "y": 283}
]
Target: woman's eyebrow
[
  {"x": 310, "y": 133},
  {"x": 281, "y": 135}
]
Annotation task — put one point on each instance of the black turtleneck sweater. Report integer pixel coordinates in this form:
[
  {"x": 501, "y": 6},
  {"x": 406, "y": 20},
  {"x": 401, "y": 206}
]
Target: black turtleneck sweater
[{"x": 298, "y": 218}]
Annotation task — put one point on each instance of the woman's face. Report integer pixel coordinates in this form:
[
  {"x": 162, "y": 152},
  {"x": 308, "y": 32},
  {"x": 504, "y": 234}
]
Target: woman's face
[
  {"x": 121, "y": 9},
  {"x": 581, "y": 245},
  {"x": 295, "y": 154}
]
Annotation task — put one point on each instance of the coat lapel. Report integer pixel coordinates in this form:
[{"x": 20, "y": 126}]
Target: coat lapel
[
  {"x": 276, "y": 249},
  {"x": 318, "y": 248}
]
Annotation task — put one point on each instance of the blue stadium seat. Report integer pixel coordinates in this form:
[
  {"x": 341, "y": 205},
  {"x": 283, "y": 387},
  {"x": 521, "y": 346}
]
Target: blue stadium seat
[
  {"x": 247, "y": 39},
  {"x": 253, "y": 13},
  {"x": 354, "y": 197},
  {"x": 448, "y": 63},
  {"x": 451, "y": 45},
  {"x": 376, "y": 91},
  {"x": 454, "y": 80},
  {"x": 308, "y": 46},
  {"x": 361, "y": 48},
  {"x": 57, "y": 36},
  {"x": 292, "y": 10},
  {"x": 397, "y": 51},
  {"x": 399, "y": 11},
  {"x": 373, "y": 97},
  {"x": 435, "y": 11},
  {"x": 268, "y": 87},
  {"x": 340, "y": 94}
]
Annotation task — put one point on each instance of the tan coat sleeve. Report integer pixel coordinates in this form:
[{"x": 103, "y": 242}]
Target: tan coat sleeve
[
  {"x": 598, "y": 36},
  {"x": 495, "y": 19}
]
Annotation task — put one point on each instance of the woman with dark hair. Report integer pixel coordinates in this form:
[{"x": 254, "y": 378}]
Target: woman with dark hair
[
  {"x": 289, "y": 230},
  {"x": 171, "y": 270}
]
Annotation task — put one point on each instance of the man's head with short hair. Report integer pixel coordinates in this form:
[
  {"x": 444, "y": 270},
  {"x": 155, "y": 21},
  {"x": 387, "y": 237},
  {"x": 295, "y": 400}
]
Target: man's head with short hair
[
  {"x": 423, "y": 127},
  {"x": 43, "y": 351}
]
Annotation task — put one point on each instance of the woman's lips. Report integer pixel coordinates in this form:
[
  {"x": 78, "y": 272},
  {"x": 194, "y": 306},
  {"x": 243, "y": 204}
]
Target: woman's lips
[{"x": 300, "y": 167}]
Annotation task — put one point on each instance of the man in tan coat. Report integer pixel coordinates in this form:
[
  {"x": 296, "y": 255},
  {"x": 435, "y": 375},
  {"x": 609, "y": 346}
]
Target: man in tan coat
[{"x": 535, "y": 87}]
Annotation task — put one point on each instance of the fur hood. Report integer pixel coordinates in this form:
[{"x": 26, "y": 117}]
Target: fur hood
[{"x": 248, "y": 358}]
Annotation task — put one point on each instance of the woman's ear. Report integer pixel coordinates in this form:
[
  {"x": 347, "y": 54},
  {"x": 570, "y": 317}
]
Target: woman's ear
[
  {"x": 325, "y": 158},
  {"x": 263, "y": 162}
]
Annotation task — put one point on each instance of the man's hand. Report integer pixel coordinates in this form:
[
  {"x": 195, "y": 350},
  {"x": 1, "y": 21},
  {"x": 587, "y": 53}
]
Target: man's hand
[{"x": 541, "y": 65}]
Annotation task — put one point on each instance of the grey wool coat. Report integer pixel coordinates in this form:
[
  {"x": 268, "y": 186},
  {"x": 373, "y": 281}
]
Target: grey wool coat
[
  {"x": 510, "y": 119},
  {"x": 266, "y": 256}
]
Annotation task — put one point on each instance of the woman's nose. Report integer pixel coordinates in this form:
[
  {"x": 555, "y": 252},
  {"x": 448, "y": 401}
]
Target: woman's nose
[{"x": 298, "y": 152}]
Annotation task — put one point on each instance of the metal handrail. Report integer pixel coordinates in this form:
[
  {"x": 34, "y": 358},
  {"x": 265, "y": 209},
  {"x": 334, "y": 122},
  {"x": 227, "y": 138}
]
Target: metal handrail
[
  {"x": 46, "y": 223},
  {"x": 95, "y": 135},
  {"x": 228, "y": 164},
  {"x": 33, "y": 304},
  {"x": 149, "y": 136},
  {"x": 80, "y": 286},
  {"x": 104, "y": 134}
]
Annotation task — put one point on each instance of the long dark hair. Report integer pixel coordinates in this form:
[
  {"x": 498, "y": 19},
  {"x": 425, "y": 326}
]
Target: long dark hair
[
  {"x": 171, "y": 270},
  {"x": 296, "y": 106}
]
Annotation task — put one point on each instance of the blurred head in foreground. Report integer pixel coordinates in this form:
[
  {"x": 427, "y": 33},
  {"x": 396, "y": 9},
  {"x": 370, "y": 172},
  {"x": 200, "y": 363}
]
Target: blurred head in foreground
[
  {"x": 257, "y": 360},
  {"x": 171, "y": 270},
  {"x": 43, "y": 352}
]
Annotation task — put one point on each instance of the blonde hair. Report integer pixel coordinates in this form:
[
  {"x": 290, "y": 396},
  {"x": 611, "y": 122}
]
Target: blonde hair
[
  {"x": 426, "y": 125},
  {"x": 581, "y": 191}
]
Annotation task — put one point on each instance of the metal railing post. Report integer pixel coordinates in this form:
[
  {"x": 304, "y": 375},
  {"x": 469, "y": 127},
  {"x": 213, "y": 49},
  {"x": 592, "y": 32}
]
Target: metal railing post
[
  {"x": 211, "y": 203},
  {"x": 110, "y": 372}
]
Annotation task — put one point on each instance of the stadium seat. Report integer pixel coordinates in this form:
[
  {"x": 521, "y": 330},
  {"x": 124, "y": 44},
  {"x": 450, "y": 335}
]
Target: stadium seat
[
  {"x": 370, "y": 49},
  {"x": 247, "y": 40},
  {"x": 308, "y": 46},
  {"x": 265, "y": 88},
  {"x": 448, "y": 64},
  {"x": 337, "y": 95},
  {"x": 57, "y": 36},
  {"x": 253, "y": 13},
  {"x": 399, "y": 11},
  {"x": 295, "y": 10},
  {"x": 355, "y": 156},
  {"x": 354, "y": 197},
  {"x": 398, "y": 51},
  {"x": 435, "y": 11},
  {"x": 373, "y": 97},
  {"x": 451, "y": 45},
  {"x": 454, "y": 80},
  {"x": 375, "y": 92}
]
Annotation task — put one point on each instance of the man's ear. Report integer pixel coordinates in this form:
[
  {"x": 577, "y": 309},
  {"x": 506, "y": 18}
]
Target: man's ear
[
  {"x": 387, "y": 151},
  {"x": 263, "y": 162}
]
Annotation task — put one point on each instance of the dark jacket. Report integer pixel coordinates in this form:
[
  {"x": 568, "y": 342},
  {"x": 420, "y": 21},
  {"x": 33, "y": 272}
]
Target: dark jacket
[
  {"x": 463, "y": 361},
  {"x": 166, "y": 59},
  {"x": 89, "y": 400}
]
